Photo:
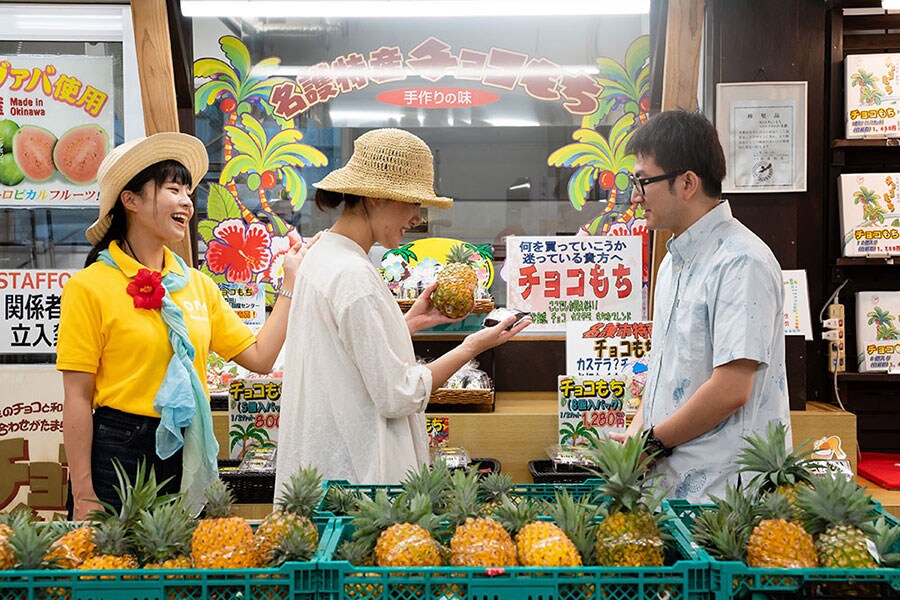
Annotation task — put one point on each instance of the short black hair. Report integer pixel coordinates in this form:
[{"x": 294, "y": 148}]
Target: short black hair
[
  {"x": 679, "y": 140},
  {"x": 326, "y": 199}
]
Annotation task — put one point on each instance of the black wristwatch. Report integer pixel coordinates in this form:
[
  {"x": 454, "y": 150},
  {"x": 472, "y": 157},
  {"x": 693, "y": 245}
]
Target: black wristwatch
[{"x": 654, "y": 447}]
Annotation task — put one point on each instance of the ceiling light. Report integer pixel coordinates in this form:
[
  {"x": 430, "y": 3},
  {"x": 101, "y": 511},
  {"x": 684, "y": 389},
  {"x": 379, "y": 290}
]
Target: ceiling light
[{"x": 408, "y": 8}]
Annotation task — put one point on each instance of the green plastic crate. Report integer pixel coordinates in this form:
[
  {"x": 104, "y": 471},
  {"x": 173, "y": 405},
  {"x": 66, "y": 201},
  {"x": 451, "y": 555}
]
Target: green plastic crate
[
  {"x": 732, "y": 579},
  {"x": 685, "y": 578},
  {"x": 535, "y": 491},
  {"x": 292, "y": 581}
]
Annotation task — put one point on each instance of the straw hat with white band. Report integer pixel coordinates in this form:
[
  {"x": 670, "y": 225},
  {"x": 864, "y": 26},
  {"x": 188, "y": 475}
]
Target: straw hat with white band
[
  {"x": 129, "y": 159},
  {"x": 388, "y": 163}
]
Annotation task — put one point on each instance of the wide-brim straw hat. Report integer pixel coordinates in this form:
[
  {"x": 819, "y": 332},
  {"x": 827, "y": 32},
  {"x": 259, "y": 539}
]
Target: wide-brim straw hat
[
  {"x": 125, "y": 161},
  {"x": 391, "y": 164}
]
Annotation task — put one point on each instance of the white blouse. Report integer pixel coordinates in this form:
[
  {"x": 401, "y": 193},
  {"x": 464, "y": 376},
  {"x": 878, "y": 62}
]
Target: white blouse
[{"x": 354, "y": 399}]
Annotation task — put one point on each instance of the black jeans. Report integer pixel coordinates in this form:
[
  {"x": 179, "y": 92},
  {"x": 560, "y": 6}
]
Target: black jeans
[{"x": 129, "y": 439}]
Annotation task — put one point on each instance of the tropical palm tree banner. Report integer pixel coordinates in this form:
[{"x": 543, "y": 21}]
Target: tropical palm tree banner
[
  {"x": 878, "y": 340},
  {"x": 254, "y": 408},
  {"x": 870, "y": 221},
  {"x": 873, "y": 109}
]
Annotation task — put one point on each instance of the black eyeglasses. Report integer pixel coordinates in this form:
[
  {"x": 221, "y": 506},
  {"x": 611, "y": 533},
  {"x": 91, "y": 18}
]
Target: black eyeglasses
[{"x": 640, "y": 182}]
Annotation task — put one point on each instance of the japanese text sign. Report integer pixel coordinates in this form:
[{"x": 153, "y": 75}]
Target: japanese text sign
[
  {"x": 590, "y": 408},
  {"x": 438, "y": 429},
  {"x": 56, "y": 126},
  {"x": 254, "y": 408},
  {"x": 31, "y": 303},
  {"x": 561, "y": 279},
  {"x": 248, "y": 300},
  {"x": 611, "y": 349}
]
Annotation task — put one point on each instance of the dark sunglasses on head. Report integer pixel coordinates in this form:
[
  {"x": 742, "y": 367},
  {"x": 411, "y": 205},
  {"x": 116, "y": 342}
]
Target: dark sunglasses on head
[{"x": 640, "y": 182}]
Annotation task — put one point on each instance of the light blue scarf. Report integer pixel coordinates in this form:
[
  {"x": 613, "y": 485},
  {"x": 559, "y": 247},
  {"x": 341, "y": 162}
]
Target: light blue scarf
[{"x": 181, "y": 398}]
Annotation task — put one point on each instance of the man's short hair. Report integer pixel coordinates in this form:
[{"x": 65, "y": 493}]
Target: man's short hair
[{"x": 679, "y": 140}]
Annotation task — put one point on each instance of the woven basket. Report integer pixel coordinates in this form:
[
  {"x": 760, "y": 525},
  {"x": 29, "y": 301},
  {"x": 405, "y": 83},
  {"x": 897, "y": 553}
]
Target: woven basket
[
  {"x": 468, "y": 396},
  {"x": 248, "y": 488},
  {"x": 482, "y": 305}
]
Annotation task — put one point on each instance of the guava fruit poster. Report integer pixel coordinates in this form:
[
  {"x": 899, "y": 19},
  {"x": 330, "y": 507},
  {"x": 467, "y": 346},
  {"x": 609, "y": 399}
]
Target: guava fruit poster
[{"x": 56, "y": 126}]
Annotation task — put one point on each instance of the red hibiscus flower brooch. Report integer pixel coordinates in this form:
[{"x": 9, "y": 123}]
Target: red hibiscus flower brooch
[{"x": 147, "y": 289}]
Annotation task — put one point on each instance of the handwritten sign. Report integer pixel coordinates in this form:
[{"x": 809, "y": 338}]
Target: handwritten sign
[
  {"x": 561, "y": 279},
  {"x": 438, "y": 429},
  {"x": 254, "y": 408},
  {"x": 590, "y": 408}
]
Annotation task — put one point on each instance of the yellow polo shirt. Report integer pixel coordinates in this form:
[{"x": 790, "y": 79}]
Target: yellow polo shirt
[{"x": 127, "y": 348}]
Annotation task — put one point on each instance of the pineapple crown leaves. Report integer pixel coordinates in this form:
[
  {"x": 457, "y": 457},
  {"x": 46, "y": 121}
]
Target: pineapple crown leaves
[
  {"x": 372, "y": 517},
  {"x": 515, "y": 516},
  {"x": 341, "y": 501},
  {"x": 295, "y": 546},
  {"x": 302, "y": 492},
  {"x": 461, "y": 253},
  {"x": 743, "y": 504},
  {"x": 163, "y": 533},
  {"x": 111, "y": 537},
  {"x": 495, "y": 486},
  {"x": 355, "y": 552},
  {"x": 578, "y": 520},
  {"x": 778, "y": 506},
  {"x": 30, "y": 543},
  {"x": 767, "y": 455},
  {"x": 723, "y": 534},
  {"x": 464, "y": 502},
  {"x": 835, "y": 501},
  {"x": 143, "y": 492},
  {"x": 623, "y": 466},
  {"x": 433, "y": 482},
  {"x": 885, "y": 537},
  {"x": 219, "y": 500}
]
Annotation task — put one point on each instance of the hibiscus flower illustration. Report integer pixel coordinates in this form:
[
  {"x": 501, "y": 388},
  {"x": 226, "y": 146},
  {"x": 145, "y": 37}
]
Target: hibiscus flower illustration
[
  {"x": 238, "y": 250},
  {"x": 280, "y": 246}
]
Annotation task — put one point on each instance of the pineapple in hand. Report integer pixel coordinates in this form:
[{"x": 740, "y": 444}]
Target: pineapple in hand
[{"x": 454, "y": 295}]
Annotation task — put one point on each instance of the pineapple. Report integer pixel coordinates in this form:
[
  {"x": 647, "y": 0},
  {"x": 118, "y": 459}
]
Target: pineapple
[
  {"x": 399, "y": 532},
  {"x": 779, "y": 542},
  {"x": 111, "y": 539},
  {"x": 295, "y": 546},
  {"x": 358, "y": 554},
  {"x": 6, "y": 554},
  {"x": 776, "y": 469},
  {"x": 432, "y": 482},
  {"x": 339, "y": 500},
  {"x": 162, "y": 537},
  {"x": 538, "y": 543},
  {"x": 299, "y": 497},
  {"x": 885, "y": 537},
  {"x": 477, "y": 541},
  {"x": 30, "y": 543},
  {"x": 838, "y": 513},
  {"x": 494, "y": 488},
  {"x": 222, "y": 540},
  {"x": 454, "y": 295},
  {"x": 629, "y": 535},
  {"x": 725, "y": 530},
  {"x": 135, "y": 496},
  {"x": 74, "y": 547}
]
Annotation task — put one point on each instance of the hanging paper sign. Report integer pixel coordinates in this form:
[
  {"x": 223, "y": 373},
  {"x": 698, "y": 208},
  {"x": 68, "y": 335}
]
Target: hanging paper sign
[
  {"x": 797, "y": 318},
  {"x": 254, "y": 407},
  {"x": 438, "y": 429},
  {"x": 590, "y": 408},
  {"x": 56, "y": 126},
  {"x": 31, "y": 310},
  {"x": 561, "y": 279},
  {"x": 248, "y": 300}
]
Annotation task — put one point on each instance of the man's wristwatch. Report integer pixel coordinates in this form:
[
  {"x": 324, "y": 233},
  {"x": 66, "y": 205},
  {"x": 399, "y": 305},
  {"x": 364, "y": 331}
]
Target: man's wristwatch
[{"x": 654, "y": 447}]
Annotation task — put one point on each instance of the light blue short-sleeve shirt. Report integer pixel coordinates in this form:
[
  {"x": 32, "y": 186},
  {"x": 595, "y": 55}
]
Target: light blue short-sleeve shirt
[{"x": 719, "y": 298}]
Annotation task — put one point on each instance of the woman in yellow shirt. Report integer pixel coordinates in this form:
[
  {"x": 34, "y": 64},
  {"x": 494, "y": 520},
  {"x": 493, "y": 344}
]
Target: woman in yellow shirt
[{"x": 137, "y": 325}]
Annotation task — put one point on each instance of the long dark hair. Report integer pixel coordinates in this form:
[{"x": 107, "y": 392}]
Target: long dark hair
[{"x": 160, "y": 173}]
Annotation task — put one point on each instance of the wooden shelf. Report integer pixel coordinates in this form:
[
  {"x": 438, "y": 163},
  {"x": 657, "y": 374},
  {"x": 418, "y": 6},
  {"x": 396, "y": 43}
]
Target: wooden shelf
[
  {"x": 863, "y": 261},
  {"x": 871, "y": 377},
  {"x": 866, "y": 143}
]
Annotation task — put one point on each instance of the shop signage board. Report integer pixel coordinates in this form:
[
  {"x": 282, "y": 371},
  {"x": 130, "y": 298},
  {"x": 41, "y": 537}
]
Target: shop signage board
[
  {"x": 870, "y": 221},
  {"x": 31, "y": 304},
  {"x": 438, "y": 429},
  {"x": 56, "y": 126},
  {"x": 254, "y": 408},
  {"x": 574, "y": 278},
  {"x": 877, "y": 336},
  {"x": 797, "y": 318},
  {"x": 590, "y": 408},
  {"x": 872, "y": 102}
]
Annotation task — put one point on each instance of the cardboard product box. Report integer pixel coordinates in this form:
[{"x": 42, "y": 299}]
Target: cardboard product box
[
  {"x": 870, "y": 218},
  {"x": 877, "y": 333},
  {"x": 872, "y": 95}
]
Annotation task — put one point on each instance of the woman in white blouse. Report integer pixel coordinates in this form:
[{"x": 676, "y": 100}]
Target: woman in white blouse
[{"x": 354, "y": 397}]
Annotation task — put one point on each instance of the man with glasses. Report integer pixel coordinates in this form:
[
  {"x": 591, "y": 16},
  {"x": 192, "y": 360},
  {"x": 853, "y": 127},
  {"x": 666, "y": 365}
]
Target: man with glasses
[{"x": 717, "y": 369}]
